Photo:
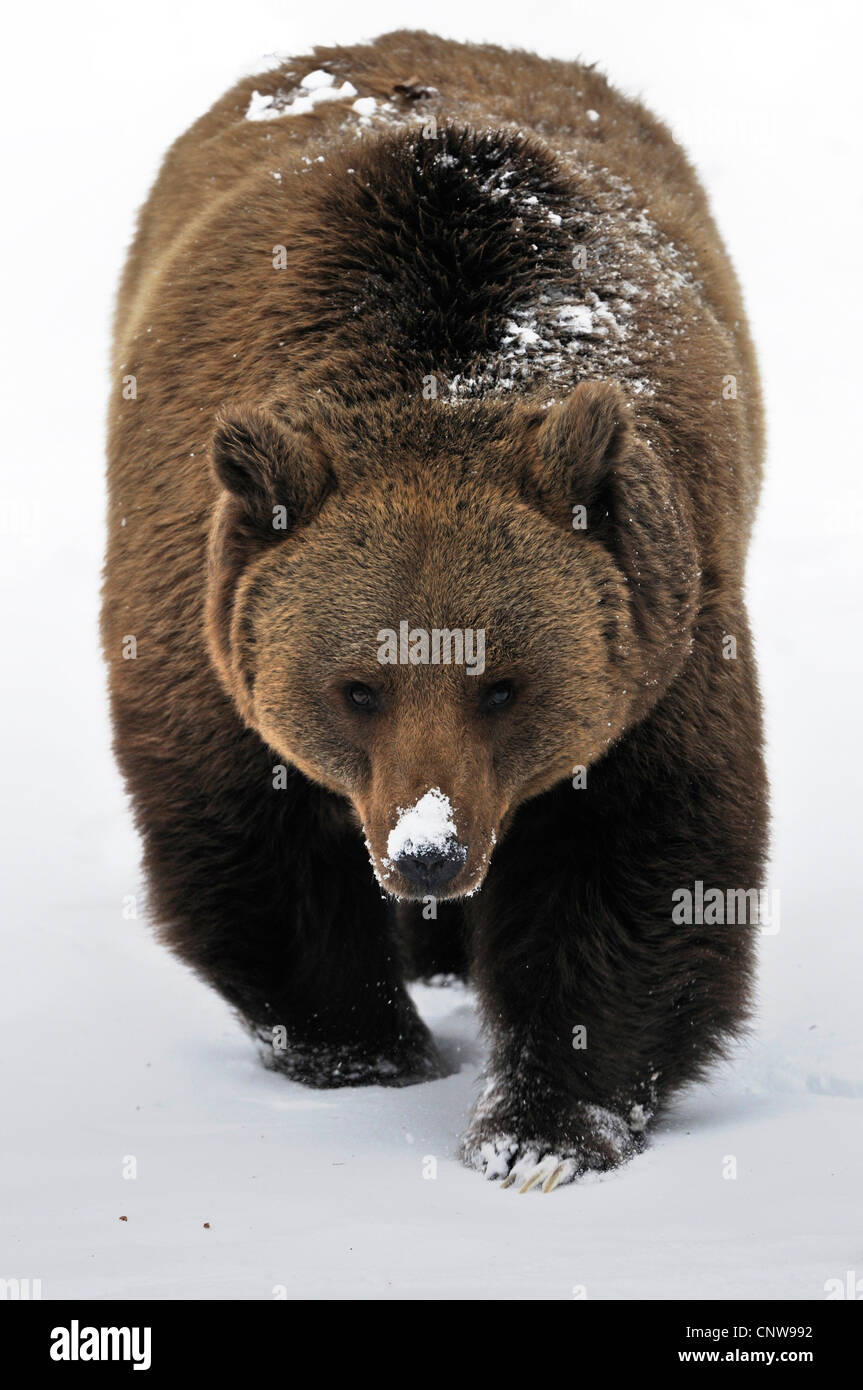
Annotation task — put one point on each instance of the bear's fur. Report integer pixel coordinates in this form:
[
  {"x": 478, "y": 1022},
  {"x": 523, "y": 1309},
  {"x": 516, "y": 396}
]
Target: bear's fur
[{"x": 469, "y": 355}]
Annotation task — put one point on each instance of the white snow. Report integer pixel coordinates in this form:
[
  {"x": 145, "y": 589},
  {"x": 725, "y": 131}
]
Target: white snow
[
  {"x": 261, "y": 107},
  {"x": 314, "y": 89},
  {"x": 113, "y": 1051},
  {"x": 521, "y": 334},
  {"x": 314, "y": 81},
  {"x": 427, "y": 825}
]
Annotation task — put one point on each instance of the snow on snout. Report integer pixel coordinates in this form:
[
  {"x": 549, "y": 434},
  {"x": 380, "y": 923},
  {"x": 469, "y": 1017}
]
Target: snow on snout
[{"x": 429, "y": 825}]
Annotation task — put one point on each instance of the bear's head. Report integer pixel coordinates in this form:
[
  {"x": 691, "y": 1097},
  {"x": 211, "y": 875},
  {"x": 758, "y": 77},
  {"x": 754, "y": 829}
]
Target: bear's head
[{"x": 439, "y": 612}]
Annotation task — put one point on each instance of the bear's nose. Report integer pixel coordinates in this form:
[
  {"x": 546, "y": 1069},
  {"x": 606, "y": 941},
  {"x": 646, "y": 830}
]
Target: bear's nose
[{"x": 432, "y": 866}]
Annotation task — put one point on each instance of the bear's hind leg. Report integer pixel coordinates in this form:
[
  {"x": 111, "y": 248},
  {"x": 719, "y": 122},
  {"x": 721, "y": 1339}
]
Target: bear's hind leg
[{"x": 435, "y": 949}]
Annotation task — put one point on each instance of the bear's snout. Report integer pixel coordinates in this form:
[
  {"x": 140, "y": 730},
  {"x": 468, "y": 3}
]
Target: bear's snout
[
  {"x": 424, "y": 851},
  {"x": 430, "y": 867}
]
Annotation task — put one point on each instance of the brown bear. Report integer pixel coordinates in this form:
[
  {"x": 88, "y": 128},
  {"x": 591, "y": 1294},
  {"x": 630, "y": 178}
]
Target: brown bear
[{"x": 435, "y": 441}]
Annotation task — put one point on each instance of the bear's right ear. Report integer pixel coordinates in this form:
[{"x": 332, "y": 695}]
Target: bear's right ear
[
  {"x": 273, "y": 479},
  {"x": 276, "y": 473}
]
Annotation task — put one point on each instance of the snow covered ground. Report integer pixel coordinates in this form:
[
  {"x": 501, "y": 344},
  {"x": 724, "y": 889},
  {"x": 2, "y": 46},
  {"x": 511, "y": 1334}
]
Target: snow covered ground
[{"x": 112, "y": 1058}]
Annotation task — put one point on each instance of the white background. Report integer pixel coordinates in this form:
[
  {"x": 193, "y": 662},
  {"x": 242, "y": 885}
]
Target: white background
[{"x": 109, "y": 1048}]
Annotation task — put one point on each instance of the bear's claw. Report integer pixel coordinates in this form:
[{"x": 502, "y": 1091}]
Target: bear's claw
[
  {"x": 603, "y": 1142},
  {"x": 548, "y": 1172},
  {"x": 505, "y": 1160}
]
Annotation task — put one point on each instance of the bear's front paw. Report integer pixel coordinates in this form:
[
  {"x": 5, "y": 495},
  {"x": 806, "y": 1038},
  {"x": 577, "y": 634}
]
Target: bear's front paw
[
  {"x": 404, "y": 1062},
  {"x": 594, "y": 1140}
]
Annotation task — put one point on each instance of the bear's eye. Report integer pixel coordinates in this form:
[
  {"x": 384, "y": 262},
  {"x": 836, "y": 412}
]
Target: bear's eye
[
  {"x": 498, "y": 696},
  {"x": 361, "y": 697}
]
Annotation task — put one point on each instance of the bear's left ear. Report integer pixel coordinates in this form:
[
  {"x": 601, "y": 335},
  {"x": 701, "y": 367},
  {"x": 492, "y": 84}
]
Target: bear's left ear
[
  {"x": 578, "y": 445},
  {"x": 587, "y": 454}
]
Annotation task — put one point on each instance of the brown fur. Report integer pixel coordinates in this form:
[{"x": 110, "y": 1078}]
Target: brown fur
[{"x": 411, "y": 255}]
